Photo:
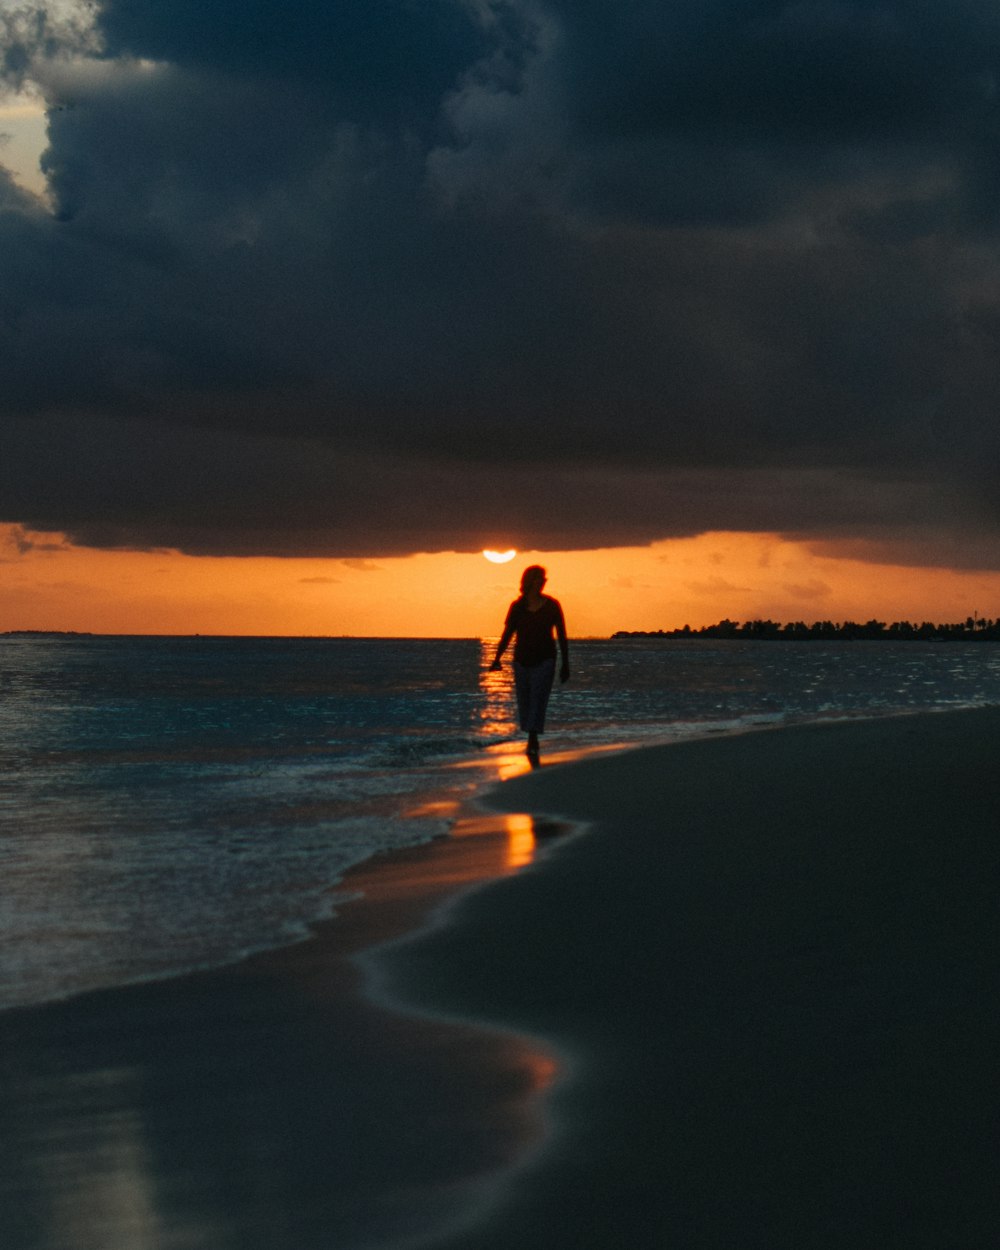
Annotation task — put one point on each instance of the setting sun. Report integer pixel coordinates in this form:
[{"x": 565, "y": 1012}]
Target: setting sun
[
  {"x": 500, "y": 557},
  {"x": 48, "y": 583}
]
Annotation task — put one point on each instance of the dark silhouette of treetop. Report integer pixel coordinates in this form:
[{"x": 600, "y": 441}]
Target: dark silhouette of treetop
[{"x": 972, "y": 629}]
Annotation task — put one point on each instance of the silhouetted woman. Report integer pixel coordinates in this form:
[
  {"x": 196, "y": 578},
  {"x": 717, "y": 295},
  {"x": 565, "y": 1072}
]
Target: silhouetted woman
[{"x": 534, "y": 622}]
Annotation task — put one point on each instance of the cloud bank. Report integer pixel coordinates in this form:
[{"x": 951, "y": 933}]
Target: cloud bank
[{"x": 387, "y": 276}]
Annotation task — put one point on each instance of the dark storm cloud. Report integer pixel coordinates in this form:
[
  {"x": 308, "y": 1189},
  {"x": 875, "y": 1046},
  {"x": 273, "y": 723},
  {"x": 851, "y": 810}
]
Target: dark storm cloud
[
  {"x": 776, "y": 71},
  {"x": 376, "y": 60},
  {"x": 388, "y": 276}
]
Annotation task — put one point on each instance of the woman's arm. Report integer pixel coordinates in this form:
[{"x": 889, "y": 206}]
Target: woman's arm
[
  {"x": 563, "y": 643},
  {"x": 509, "y": 627}
]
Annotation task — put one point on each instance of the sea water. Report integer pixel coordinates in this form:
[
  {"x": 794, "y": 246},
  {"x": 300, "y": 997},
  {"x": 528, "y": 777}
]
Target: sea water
[{"x": 174, "y": 803}]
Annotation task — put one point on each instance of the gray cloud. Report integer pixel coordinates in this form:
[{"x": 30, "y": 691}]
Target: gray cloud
[{"x": 393, "y": 277}]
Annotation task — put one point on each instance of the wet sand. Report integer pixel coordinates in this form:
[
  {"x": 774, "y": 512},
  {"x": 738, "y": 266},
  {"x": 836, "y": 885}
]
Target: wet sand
[
  {"x": 269, "y": 1105},
  {"x": 773, "y": 961},
  {"x": 766, "y": 980}
]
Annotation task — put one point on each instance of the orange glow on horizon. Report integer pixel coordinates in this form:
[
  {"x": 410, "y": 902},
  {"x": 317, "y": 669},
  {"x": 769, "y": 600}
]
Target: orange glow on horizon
[{"x": 48, "y": 584}]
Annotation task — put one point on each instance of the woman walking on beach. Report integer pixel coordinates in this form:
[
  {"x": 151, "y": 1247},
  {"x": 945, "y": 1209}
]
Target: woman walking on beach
[{"x": 534, "y": 621}]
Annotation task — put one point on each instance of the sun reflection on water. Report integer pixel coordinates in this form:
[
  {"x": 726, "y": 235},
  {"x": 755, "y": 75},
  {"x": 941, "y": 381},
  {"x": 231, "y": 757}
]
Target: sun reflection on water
[{"x": 495, "y": 715}]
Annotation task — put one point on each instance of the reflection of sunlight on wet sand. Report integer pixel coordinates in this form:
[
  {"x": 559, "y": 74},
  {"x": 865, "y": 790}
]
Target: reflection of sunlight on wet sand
[
  {"x": 572, "y": 755},
  {"x": 520, "y": 840},
  {"x": 513, "y": 834},
  {"x": 480, "y": 846},
  {"x": 508, "y": 759}
]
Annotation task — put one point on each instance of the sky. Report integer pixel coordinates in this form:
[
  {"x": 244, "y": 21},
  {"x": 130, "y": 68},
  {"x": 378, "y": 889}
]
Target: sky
[{"x": 302, "y": 306}]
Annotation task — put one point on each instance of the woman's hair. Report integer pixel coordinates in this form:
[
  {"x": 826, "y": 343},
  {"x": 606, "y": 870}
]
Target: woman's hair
[{"x": 532, "y": 573}]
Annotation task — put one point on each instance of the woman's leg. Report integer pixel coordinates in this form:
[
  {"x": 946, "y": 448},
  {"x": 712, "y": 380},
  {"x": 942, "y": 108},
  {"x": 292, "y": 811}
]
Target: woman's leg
[
  {"x": 522, "y": 687},
  {"x": 540, "y": 687}
]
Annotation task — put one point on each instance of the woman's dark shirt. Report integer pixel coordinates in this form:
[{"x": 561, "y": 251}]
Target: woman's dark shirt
[{"x": 535, "y": 631}]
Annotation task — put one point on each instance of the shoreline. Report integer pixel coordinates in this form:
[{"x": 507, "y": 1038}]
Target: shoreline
[
  {"x": 214, "y": 1096},
  {"x": 774, "y": 961},
  {"x": 282, "y": 1102}
]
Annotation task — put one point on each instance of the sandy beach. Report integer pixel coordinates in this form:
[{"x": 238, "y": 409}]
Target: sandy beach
[
  {"x": 773, "y": 964},
  {"x": 754, "y": 1004}
]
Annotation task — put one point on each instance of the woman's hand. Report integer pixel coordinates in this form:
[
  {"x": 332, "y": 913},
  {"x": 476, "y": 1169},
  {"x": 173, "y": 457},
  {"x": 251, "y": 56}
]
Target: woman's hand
[
  {"x": 495, "y": 666},
  {"x": 564, "y": 672}
]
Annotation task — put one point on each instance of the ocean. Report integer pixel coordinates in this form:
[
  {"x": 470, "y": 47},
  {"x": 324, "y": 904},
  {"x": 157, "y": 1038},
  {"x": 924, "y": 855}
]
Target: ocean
[{"x": 168, "y": 804}]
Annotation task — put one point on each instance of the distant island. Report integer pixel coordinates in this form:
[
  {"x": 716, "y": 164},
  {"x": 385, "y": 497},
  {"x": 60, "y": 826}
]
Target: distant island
[
  {"x": 972, "y": 629},
  {"x": 45, "y": 633}
]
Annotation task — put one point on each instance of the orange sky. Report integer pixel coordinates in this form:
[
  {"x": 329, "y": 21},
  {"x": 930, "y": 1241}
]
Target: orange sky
[{"x": 47, "y": 584}]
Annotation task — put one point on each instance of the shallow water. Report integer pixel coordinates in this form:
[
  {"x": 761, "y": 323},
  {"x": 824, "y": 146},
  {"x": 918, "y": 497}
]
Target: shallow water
[{"x": 167, "y": 804}]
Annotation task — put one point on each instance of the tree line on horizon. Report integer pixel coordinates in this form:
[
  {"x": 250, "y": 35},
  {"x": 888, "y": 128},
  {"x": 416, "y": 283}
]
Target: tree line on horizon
[{"x": 978, "y": 629}]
